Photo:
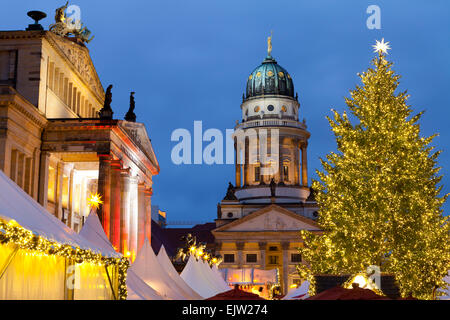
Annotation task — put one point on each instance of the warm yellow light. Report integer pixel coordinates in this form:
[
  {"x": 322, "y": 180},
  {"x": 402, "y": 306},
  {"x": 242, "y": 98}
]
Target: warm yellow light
[
  {"x": 127, "y": 254},
  {"x": 206, "y": 257},
  {"x": 192, "y": 249},
  {"x": 214, "y": 260},
  {"x": 200, "y": 252},
  {"x": 292, "y": 286},
  {"x": 95, "y": 200}
]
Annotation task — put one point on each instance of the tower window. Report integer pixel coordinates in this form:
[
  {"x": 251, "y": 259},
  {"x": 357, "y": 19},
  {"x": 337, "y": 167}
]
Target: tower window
[
  {"x": 296, "y": 257},
  {"x": 284, "y": 109},
  {"x": 256, "y": 109},
  {"x": 230, "y": 214},
  {"x": 286, "y": 172},
  {"x": 270, "y": 107},
  {"x": 257, "y": 174}
]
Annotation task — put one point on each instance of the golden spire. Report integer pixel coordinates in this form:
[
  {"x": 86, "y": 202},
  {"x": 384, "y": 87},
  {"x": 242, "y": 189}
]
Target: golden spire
[{"x": 269, "y": 45}]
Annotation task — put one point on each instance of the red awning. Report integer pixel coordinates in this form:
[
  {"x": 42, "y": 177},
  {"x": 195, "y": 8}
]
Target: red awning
[
  {"x": 236, "y": 294},
  {"x": 339, "y": 293}
]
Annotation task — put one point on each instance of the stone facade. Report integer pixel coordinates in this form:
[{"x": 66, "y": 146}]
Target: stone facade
[
  {"x": 54, "y": 145},
  {"x": 259, "y": 220}
]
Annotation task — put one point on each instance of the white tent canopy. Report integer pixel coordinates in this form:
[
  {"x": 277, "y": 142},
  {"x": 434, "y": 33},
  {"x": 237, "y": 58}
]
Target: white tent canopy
[
  {"x": 147, "y": 267},
  {"x": 196, "y": 277},
  {"x": 167, "y": 265},
  {"x": 217, "y": 281},
  {"x": 137, "y": 289},
  {"x": 220, "y": 277},
  {"x": 16, "y": 204},
  {"x": 299, "y": 293}
]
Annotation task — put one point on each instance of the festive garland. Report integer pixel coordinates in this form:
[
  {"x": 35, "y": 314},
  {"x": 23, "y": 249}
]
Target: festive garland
[{"x": 12, "y": 232}]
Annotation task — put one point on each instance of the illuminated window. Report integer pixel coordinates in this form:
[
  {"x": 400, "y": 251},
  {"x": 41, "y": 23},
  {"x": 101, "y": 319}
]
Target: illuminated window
[
  {"x": 251, "y": 258},
  {"x": 296, "y": 257},
  {"x": 228, "y": 258},
  {"x": 257, "y": 108},
  {"x": 51, "y": 184},
  {"x": 284, "y": 109}
]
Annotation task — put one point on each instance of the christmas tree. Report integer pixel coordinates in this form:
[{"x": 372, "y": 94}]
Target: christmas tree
[{"x": 379, "y": 195}]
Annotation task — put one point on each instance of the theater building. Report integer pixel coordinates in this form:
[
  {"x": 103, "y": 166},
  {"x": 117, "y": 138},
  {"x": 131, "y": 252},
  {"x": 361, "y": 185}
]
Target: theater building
[
  {"x": 259, "y": 220},
  {"x": 60, "y": 142}
]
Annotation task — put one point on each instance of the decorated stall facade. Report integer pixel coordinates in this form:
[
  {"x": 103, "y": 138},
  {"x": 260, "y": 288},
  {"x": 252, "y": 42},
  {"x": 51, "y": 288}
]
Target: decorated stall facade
[{"x": 41, "y": 258}]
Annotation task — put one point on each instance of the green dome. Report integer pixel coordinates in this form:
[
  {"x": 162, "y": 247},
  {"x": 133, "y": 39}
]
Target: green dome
[{"x": 269, "y": 78}]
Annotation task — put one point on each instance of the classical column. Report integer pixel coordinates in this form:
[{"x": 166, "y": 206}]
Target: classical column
[
  {"x": 148, "y": 214},
  {"x": 246, "y": 161},
  {"x": 5, "y": 161},
  {"x": 104, "y": 190},
  {"x": 240, "y": 258},
  {"x": 280, "y": 160},
  {"x": 141, "y": 215},
  {"x": 285, "y": 248},
  {"x": 125, "y": 211},
  {"x": 133, "y": 219},
  {"x": 262, "y": 251},
  {"x": 116, "y": 169},
  {"x": 237, "y": 165},
  {"x": 59, "y": 189},
  {"x": 21, "y": 170},
  {"x": 70, "y": 204},
  {"x": 297, "y": 164},
  {"x": 35, "y": 175},
  {"x": 304, "y": 166},
  {"x": 43, "y": 178}
]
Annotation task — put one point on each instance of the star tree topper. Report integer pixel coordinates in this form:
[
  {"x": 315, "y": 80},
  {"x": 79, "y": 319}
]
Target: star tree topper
[{"x": 381, "y": 46}]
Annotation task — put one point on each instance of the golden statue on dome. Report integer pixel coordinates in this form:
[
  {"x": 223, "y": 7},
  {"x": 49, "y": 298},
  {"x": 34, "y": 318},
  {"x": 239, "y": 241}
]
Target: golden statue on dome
[{"x": 269, "y": 45}]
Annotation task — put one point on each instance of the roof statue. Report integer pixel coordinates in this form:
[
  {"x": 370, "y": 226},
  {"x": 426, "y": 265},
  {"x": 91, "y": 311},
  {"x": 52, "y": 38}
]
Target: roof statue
[
  {"x": 106, "y": 112},
  {"x": 273, "y": 186},
  {"x": 131, "y": 116},
  {"x": 65, "y": 25},
  {"x": 269, "y": 45},
  {"x": 230, "y": 193}
]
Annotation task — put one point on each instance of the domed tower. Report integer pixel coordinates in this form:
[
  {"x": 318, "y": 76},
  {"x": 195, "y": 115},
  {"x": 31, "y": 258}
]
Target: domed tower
[{"x": 269, "y": 105}]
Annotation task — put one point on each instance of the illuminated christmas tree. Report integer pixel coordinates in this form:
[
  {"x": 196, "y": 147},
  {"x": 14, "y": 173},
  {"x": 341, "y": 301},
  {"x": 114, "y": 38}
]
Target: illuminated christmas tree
[{"x": 379, "y": 195}]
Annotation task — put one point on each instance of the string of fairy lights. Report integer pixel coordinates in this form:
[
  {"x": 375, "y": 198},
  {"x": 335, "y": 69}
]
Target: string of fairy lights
[
  {"x": 12, "y": 232},
  {"x": 198, "y": 251}
]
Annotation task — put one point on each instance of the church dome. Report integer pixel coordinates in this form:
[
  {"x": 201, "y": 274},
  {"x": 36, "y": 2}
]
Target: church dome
[{"x": 269, "y": 79}]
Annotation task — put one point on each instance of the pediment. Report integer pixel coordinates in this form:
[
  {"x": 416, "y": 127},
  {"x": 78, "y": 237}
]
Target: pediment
[
  {"x": 138, "y": 134},
  {"x": 78, "y": 57},
  {"x": 270, "y": 218}
]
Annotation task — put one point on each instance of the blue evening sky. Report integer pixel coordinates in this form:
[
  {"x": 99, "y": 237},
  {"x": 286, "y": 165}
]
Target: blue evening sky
[{"x": 189, "y": 60}]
